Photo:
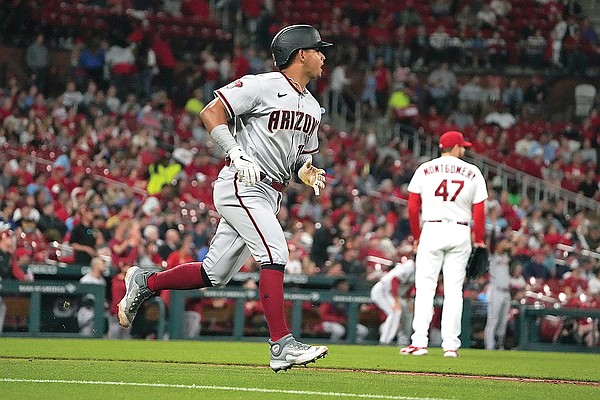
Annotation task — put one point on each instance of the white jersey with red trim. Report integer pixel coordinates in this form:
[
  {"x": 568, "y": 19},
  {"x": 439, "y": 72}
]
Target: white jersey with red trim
[
  {"x": 448, "y": 187},
  {"x": 274, "y": 122},
  {"x": 404, "y": 272}
]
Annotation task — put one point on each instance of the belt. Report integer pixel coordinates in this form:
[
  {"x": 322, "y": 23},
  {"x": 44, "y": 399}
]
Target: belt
[
  {"x": 279, "y": 186},
  {"x": 450, "y": 221}
]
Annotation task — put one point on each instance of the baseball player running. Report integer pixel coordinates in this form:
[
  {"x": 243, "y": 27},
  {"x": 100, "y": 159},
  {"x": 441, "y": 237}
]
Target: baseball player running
[
  {"x": 449, "y": 192},
  {"x": 275, "y": 121},
  {"x": 389, "y": 295}
]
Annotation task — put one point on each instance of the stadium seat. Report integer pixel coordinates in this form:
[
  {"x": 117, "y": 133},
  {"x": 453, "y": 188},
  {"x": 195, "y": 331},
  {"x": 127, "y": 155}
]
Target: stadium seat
[{"x": 585, "y": 96}]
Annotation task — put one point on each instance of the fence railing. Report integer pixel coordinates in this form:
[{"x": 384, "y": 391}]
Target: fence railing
[
  {"x": 49, "y": 308},
  {"x": 536, "y": 189}
]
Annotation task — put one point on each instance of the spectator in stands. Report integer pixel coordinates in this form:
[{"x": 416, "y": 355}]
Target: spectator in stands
[
  {"x": 534, "y": 49},
  {"x": 535, "y": 99},
  {"x": 399, "y": 104},
  {"x": 419, "y": 48},
  {"x": 185, "y": 254},
  {"x": 439, "y": 42},
  {"x": 589, "y": 186},
  {"x": 574, "y": 173},
  {"x": 497, "y": 52},
  {"x": 210, "y": 74},
  {"x": 125, "y": 243},
  {"x": 470, "y": 96},
  {"x": 38, "y": 62},
  {"x": 501, "y": 8},
  {"x": 86, "y": 314},
  {"x": 91, "y": 60},
  {"x": 148, "y": 257},
  {"x": 535, "y": 267},
  {"x": 501, "y": 117},
  {"x": 72, "y": 97},
  {"x": 589, "y": 155},
  {"x": 120, "y": 63},
  {"x": 486, "y": 18},
  {"x": 441, "y": 8},
  {"x": 322, "y": 240},
  {"x": 147, "y": 67},
  {"x": 461, "y": 118},
  {"x": 383, "y": 79},
  {"x": 594, "y": 283},
  {"x": 338, "y": 82},
  {"x": 53, "y": 228},
  {"x": 82, "y": 237},
  {"x": 544, "y": 145},
  {"x": 553, "y": 173},
  {"x": 165, "y": 62},
  {"x": 9, "y": 267},
  {"x": 171, "y": 243},
  {"x": 465, "y": 18},
  {"x": 368, "y": 97},
  {"x": 592, "y": 238},
  {"x": 409, "y": 17},
  {"x": 350, "y": 262},
  {"x": 169, "y": 221},
  {"x": 442, "y": 87},
  {"x": 195, "y": 103},
  {"x": 334, "y": 316},
  {"x": 512, "y": 97},
  {"x": 571, "y": 8}
]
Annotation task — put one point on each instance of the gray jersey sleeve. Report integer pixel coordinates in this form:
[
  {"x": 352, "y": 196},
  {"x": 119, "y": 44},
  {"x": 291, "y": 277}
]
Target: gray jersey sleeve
[{"x": 240, "y": 96}]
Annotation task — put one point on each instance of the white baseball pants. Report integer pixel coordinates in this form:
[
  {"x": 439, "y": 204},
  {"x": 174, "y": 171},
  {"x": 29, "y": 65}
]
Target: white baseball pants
[{"x": 443, "y": 246}]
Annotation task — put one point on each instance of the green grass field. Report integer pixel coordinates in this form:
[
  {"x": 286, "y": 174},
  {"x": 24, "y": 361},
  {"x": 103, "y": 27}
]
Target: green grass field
[{"x": 103, "y": 369}]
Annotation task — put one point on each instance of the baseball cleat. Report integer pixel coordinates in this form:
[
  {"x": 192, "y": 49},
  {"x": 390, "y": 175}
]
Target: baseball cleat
[
  {"x": 451, "y": 353},
  {"x": 136, "y": 291},
  {"x": 287, "y": 352},
  {"x": 413, "y": 351}
]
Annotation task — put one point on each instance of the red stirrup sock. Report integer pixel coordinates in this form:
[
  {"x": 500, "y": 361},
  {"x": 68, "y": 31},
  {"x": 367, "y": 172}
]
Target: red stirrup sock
[
  {"x": 271, "y": 297},
  {"x": 184, "y": 276}
]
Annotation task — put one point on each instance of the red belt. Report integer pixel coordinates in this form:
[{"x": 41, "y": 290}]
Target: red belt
[
  {"x": 456, "y": 222},
  {"x": 279, "y": 186}
]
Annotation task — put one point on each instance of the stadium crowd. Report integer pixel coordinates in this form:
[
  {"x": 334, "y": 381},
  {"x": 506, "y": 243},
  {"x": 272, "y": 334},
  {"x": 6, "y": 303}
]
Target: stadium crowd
[{"x": 115, "y": 164}]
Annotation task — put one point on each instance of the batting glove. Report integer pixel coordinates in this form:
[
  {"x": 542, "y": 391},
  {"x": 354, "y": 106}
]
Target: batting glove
[
  {"x": 247, "y": 171},
  {"x": 312, "y": 176}
]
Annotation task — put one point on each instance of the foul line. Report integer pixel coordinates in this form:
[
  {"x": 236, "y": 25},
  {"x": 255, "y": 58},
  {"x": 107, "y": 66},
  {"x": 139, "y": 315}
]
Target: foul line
[{"x": 225, "y": 388}]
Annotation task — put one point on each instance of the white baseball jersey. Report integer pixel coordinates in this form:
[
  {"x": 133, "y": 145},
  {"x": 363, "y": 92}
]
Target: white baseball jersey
[
  {"x": 404, "y": 272},
  {"x": 381, "y": 294},
  {"x": 274, "y": 122},
  {"x": 448, "y": 187}
]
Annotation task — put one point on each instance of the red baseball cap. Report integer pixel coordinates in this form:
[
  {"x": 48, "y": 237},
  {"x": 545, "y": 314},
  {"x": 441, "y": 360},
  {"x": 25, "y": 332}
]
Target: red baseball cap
[{"x": 452, "y": 138}]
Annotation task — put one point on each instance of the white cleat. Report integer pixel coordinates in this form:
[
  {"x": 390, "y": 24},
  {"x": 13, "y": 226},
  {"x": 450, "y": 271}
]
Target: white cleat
[
  {"x": 287, "y": 352},
  {"x": 413, "y": 351},
  {"x": 136, "y": 291}
]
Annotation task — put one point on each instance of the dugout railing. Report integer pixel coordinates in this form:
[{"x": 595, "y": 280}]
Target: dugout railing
[{"x": 49, "y": 308}]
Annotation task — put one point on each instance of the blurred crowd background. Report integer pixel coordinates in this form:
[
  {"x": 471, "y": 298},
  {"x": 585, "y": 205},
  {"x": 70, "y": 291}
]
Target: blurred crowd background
[{"x": 104, "y": 160}]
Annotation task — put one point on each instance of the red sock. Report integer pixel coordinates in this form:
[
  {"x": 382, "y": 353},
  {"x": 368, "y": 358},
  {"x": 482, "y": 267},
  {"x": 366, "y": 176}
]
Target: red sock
[
  {"x": 184, "y": 276},
  {"x": 271, "y": 297}
]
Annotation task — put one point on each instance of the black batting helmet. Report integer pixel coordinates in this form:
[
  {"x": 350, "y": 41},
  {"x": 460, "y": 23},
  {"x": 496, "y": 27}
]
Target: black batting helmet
[{"x": 292, "y": 38}]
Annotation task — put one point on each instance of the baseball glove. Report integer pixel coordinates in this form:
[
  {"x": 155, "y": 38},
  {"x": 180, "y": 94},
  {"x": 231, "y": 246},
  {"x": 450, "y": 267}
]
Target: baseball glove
[{"x": 479, "y": 262}]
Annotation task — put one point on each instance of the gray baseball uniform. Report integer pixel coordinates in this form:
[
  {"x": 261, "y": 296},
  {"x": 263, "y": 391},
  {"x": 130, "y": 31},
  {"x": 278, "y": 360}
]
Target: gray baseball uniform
[
  {"x": 498, "y": 301},
  {"x": 274, "y": 123}
]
